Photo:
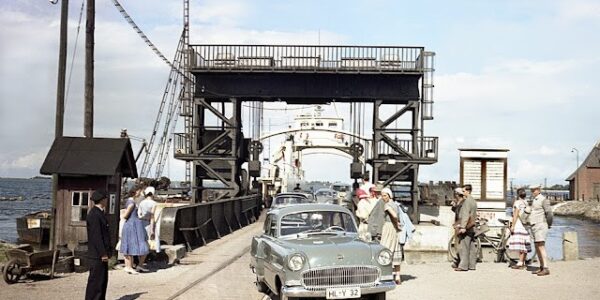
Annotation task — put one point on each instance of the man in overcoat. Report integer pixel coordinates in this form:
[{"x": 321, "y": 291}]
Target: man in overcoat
[{"x": 98, "y": 247}]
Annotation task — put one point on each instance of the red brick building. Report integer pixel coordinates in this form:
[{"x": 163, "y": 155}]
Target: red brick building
[{"x": 588, "y": 175}]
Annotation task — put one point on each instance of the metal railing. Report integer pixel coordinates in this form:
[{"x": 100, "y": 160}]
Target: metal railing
[
  {"x": 195, "y": 224},
  {"x": 181, "y": 148},
  {"x": 307, "y": 58},
  {"x": 427, "y": 148}
]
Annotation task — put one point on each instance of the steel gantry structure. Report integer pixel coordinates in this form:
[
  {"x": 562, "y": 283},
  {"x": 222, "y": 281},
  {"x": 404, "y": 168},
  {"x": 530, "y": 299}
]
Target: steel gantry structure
[{"x": 396, "y": 81}]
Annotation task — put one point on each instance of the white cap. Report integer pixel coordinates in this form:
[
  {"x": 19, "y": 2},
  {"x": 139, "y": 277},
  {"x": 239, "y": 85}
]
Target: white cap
[
  {"x": 388, "y": 191},
  {"x": 459, "y": 191},
  {"x": 535, "y": 186},
  {"x": 149, "y": 190}
]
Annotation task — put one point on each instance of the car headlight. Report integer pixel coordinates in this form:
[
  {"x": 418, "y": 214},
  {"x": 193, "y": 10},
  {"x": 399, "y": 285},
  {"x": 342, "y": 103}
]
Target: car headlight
[
  {"x": 385, "y": 257},
  {"x": 296, "y": 262}
]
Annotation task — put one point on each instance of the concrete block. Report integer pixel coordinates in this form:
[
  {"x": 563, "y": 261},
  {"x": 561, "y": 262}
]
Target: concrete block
[
  {"x": 175, "y": 253},
  {"x": 570, "y": 246},
  {"x": 430, "y": 238},
  {"x": 443, "y": 214}
]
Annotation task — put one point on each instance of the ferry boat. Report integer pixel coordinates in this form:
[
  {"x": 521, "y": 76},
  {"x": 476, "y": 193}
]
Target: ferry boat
[{"x": 311, "y": 133}]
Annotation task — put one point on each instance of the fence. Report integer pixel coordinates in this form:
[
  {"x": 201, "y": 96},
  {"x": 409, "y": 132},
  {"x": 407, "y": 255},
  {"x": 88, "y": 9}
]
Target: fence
[
  {"x": 196, "y": 224},
  {"x": 308, "y": 58}
]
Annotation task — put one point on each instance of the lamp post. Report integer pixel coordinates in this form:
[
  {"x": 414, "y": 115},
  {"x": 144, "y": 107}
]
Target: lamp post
[{"x": 576, "y": 174}]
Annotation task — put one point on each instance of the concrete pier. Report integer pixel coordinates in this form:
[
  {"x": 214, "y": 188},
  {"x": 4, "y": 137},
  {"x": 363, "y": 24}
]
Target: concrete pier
[{"x": 220, "y": 271}]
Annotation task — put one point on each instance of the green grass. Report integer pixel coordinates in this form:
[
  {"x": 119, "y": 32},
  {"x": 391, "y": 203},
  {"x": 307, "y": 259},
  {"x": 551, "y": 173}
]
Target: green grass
[{"x": 3, "y": 248}]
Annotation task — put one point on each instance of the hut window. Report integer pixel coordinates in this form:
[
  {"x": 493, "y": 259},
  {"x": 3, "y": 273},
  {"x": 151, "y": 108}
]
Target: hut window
[
  {"x": 333, "y": 124},
  {"x": 79, "y": 206},
  {"x": 319, "y": 124}
]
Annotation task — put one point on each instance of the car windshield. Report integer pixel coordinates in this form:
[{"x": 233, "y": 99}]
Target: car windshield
[
  {"x": 341, "y": 188},
  {"x": 290, "y": 200},
  {"x": 324, "y": 193},
  {"x": 317, "y": 221}
]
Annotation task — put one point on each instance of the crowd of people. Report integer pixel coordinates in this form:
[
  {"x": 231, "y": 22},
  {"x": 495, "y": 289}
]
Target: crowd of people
[
  {"x": 530, "y": 221},
  {"x": 382, "y": 220}
]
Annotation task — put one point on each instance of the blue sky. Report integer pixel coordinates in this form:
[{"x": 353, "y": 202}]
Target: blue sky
[{"x": 512, "y": 74}]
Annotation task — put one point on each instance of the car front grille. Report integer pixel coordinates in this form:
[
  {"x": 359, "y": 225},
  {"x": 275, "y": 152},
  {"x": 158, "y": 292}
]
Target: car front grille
[{"x": 322, "y": 278}]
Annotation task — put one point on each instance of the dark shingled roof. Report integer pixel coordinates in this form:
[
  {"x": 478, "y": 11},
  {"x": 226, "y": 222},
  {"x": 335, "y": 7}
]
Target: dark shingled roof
[{"x": 90, "y": 156}]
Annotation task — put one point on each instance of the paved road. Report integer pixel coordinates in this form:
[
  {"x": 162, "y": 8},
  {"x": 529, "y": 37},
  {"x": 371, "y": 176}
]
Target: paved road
[{"x": 569, "y": 280}]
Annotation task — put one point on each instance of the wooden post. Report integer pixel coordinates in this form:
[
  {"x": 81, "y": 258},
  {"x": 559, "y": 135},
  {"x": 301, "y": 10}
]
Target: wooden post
[
  {"x": 88, "y": 122},
  {"x": 570, "y": 246},
  {"x": 60, "y": 107}
]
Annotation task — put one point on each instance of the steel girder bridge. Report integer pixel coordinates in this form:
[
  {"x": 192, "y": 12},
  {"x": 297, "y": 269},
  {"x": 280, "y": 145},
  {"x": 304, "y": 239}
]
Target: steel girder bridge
[{"x": 397, "y": 81}]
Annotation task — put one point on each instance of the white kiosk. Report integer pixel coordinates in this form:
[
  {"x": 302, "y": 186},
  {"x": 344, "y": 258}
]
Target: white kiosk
[{"x": 487, "y": 171}]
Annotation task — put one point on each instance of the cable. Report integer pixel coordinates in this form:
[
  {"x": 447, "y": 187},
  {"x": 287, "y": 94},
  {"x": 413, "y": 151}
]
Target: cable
[
  {"x": 74, "y": 52},
  {"x": 141, "y": 33}
]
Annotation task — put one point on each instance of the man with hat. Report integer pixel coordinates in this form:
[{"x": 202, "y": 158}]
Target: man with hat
[
  {"x": 540, "y": 220},
  {"x": 98, "y": 247}
]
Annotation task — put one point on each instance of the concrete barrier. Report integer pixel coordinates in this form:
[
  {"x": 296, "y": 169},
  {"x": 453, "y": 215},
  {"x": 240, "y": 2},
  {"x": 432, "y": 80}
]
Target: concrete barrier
[
  {"x": 430, "y": 238},
  {"x": 443, "y": 214}
]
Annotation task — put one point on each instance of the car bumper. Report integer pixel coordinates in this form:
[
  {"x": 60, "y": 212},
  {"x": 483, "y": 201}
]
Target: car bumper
[{"x": 299, "y": 291}]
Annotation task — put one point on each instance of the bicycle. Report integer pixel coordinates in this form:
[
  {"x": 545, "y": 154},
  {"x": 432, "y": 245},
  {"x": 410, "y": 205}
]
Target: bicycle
[{"x": 499, "y": 243}]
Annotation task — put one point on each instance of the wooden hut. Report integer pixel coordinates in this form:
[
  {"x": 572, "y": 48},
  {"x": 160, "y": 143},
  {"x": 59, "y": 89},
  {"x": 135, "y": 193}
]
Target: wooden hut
[
  {"x": 84, "y": 165},
  {"x": 584, "y": 183}
]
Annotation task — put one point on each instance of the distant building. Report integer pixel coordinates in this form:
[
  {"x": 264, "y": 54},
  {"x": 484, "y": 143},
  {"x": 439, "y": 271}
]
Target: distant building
[{"x": 588, "y": 175}]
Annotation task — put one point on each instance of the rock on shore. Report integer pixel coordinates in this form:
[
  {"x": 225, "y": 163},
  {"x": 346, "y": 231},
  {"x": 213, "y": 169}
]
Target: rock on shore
[{"x": 586, "y": 209}]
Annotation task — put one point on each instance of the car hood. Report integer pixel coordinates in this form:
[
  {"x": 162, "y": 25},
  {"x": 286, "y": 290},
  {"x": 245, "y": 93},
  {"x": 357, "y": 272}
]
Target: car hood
[{"x": 331, "y": 250}]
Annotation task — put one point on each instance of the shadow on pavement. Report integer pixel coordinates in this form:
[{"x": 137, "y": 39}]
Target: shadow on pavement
[{"x": 132, "y": 296}]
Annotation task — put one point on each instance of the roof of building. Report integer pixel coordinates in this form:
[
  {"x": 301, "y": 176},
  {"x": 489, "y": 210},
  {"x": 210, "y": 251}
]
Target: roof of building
[
  {"x": 591, "y": 161},
  {"x": 90, "y": 156}
]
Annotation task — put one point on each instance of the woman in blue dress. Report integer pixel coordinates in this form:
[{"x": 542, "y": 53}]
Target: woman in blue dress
[{"x": 134, "y": 241}]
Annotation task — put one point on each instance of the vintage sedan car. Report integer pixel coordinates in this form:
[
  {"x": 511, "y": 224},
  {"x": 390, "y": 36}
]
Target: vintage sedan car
[{"x": 313, "y": 250}]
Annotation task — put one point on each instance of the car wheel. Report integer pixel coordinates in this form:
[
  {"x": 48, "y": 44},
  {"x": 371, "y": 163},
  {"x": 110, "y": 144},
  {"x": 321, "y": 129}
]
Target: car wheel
[
  {"x": 379, "y": 296},
  {"x": 262, "y": 287},
  {"x": 281, "y": 296}
]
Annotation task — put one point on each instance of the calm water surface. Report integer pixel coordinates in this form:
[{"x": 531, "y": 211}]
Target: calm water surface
[{"x": 36, "y": 197}]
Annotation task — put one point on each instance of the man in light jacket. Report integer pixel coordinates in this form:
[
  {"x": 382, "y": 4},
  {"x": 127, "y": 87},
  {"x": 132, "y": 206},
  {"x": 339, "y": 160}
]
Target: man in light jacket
[{"x": 540, "y": 220}]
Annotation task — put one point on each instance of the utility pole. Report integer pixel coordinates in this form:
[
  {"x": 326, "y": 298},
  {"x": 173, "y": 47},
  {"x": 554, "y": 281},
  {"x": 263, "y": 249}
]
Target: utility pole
[
  {"x": 576, "y": 174},
  {"x": 60, "y": 106},
  {"x": 90, "y": 24}
]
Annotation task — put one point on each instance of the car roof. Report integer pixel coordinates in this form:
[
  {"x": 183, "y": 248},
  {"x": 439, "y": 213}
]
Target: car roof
[
  {"x": 286, "y": 194},
  {"x": 302, "y": 207}
]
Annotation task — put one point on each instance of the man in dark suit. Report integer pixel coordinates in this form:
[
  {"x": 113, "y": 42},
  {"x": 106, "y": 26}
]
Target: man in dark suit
[{"x": 98, "y": 247}]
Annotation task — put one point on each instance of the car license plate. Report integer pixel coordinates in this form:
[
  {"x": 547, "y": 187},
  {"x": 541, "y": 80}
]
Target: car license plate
[{"x": 342, "y": 293}]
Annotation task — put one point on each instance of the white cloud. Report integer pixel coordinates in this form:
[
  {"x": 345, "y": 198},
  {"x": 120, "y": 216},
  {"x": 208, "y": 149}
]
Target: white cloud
[
  {"x": 578, "y": 10},
  {"x": 28, "y": 161},
  {"x": 544, "y": 151}
]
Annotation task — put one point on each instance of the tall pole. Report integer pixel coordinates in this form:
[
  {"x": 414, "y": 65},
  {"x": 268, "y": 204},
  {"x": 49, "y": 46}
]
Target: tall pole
[
  {"x": 60, "y": 106},
  {"x": 90, "y": 24},
  {"x": 576, "y": 174}
]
